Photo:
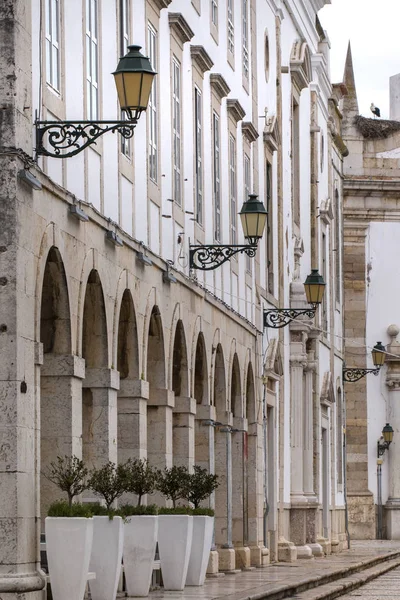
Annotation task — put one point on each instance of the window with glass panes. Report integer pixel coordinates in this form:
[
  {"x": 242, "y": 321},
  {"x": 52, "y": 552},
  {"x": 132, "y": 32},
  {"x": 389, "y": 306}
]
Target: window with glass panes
[
  {"x": 232, "y": 188},
  {"x": 216, "y": 178},
  {"x": 270, "y": 241},
  {"x": 124, "y": 42},
  {"x": 245, "y": 37},
  {"x": 231, "y": 28},
  {"x": 152, "y": 110},
  {"x": 92, "y": 60},
  {"x": 198, "y": 113},
  {"x": 247, "y": 191},
  {"x": 176, "y": 130},
  {"x": 53, "y": 43},
  {"x": 214, "y": 12}
]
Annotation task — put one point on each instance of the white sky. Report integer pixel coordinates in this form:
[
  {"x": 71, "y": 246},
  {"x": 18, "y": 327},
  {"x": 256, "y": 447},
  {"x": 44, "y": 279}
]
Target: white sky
[{"x": 373, "y": 28}]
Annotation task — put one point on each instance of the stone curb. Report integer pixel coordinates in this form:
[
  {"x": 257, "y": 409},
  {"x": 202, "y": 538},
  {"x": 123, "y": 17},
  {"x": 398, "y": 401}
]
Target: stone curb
[{"x": 283, "y": 591}]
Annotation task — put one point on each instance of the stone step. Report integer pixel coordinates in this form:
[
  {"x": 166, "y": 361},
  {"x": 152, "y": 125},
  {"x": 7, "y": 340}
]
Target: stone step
[{"x": 338, "y": 585}]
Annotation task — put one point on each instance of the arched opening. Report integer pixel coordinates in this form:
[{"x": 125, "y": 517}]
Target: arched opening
[
  {"x": 183, "y": 417},
  {"x": 219, "y": 384},
  {"x": 239, "y": 456},
  {"x": 159, "y": 411},
  {"x": 236, "y": 390},
  {"x": 131, "y": 406},
  {"x": 250, "y": 400},
  {"x": 57, "y": 397},
  {"x": 204, "y": 440},
  {"x": 98, "y": 397},
  {"x": 201, "y": 372},
  {"x": 222, "y": 453}
]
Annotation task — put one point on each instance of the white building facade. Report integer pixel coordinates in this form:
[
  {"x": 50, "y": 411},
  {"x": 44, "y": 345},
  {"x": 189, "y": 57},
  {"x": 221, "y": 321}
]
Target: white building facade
[{"x": 117, "y": 351}]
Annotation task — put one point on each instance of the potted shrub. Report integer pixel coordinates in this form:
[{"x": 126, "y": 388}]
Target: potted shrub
[
  {"x": 108, "y": 531},
  {"x": 141, "y": 528},
  {"x": 69, "y": 531},
  {"x": 200, "y": 487},
  {"x": 175, "y": 528}
]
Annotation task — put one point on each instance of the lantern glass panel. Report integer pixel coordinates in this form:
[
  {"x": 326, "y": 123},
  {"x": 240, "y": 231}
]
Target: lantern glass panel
[
  {"x": 253, "y": 224},
  {"x": 378, "y": 355},
  {"x": 387, "y": 433}
]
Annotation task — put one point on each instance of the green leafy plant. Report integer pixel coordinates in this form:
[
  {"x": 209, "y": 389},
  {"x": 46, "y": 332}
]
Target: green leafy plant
[
  {"x": 173, "y": 483},
  {"x": 141, "y": 478},
  {"x": 98, "y": 510},
  {"x": 61, "y": 508},
  {"x": 201, "y": 485},
  {"x": 203, "y": 512},
  {"x": 128, "y": 510},
  {"x": 177, "y": 510},
  {"x": 109, "y": 482},
  {"x": 69, "y": 474}
]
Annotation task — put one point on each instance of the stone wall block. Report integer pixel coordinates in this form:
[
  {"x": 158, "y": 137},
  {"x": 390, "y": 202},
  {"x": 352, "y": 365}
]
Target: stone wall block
[
  {"x": 101, "y": 378},
  {"x": 133, "y": 388}
]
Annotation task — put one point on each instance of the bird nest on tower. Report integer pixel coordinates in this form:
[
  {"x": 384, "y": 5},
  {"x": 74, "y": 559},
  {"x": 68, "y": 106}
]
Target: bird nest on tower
[{"x": 374, "y": 128}]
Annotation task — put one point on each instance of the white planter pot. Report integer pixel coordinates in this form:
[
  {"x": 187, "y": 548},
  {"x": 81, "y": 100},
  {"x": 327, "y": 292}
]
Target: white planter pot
[
  {"x": 200, "y": 553},
  {"x": 106, "y": 558},
  {"x": 174, "y": 544},
  {"x": 68, "y": 547},
  {"x": 139, "y": 550}
]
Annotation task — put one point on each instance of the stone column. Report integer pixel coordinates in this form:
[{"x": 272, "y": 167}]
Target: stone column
[
  {"x": 392, "y": 455},
  {"x": 133, "y": 395},
  {"x": 159, "y": 432},
  {"x": 100, "y": 416},
  {"x": 184, "y": 431},
  {"x": 240, "y": 493},
  {"x": 259, "y": 554},
  {"x": 308, "y": 452},
  {"x": 60, "y": 416}
]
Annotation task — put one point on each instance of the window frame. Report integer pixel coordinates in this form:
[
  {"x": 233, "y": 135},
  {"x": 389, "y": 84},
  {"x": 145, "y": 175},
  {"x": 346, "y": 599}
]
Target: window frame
[
  {"x": 216, "y": 141},
  {"x": 92, "y": 50},
  {"x": 245, "y": 41},
  {"x": 152, "y": 109},
  {"x": 124, "y": 35},
  {"x": 52, "y": 44},
  {"x": 232, "y": 189},
  {"x": 177, "y": 130},
  {"x": 198, "y": 120}
]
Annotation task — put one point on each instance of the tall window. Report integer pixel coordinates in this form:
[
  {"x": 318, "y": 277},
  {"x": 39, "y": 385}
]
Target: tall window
[
  {"x": 176, "y": 130},
  {"x": 216, "y": 175},
  {"x": 232, "y": 188},
  {"x": 231, "y": 28},
  {"x": 270, "y": 245},
  {"x": 325, "y": 276},
  {"x": 214, "y": 12},
  {"x": 53, "y": 43},
  {"x": 152, "y": 109},
  {"x": 124, "y": 42},
  {"x": 245, "y": 37},
  {"x": 247, "y": 191},
  {"x": 296, "y": 161},
  {"x": 199, "y": 155},
  {"x": 92, "y": 60},
  {"x": 337, "y": 245}
]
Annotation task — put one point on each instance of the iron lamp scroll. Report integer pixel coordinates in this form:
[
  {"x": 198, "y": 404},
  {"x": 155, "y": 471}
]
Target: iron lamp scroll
[
  {"x": 253, "y": 217},
  {"x": 385, "y": 441},
  {"x": 314, "y": 287},
  {"x": 133, "y": 79},
  {"x": 353, "y": 374}
]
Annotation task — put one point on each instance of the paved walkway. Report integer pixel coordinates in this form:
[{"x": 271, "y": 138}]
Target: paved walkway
[
  {"x": 253, "y": 585},
  {"x": 386, "y": 587}
]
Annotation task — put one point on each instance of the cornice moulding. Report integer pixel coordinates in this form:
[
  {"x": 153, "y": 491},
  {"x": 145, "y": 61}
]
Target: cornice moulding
[
  {"x": 160, "y": 4},
  {"x": 219, "y": 85},
  {"x": 235, "y": 109},
  {"x": 178, "y": 23},
  {"x": 201, "y": 58},
  {"x": 249, "y": 131}
]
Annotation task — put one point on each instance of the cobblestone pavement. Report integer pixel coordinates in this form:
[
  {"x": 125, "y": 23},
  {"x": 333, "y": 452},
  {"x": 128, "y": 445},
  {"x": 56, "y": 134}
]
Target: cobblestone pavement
[
  {"x": 253, "y": 584},
  {"x": 385, "y": 587}
]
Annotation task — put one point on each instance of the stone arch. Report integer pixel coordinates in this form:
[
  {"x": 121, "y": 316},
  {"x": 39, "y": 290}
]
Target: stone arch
[
  {"x": 55, "y": 317},
  {"x": 300, "y": 65},
  {"x": 180, "y": 366},
  {"x": 94, "y": 324},
  {"x": 127, "y": 339},
  {"x": 250, "y": 399},
  {"x": 155, "y": 363},
  {"x": 219, "y": 388},
  {"x": 236, "y": 402},
  {"x": 200, "y": 391}
]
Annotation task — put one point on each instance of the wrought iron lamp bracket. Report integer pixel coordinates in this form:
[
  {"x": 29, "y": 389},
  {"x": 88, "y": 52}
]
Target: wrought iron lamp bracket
[
  {"x": 382, "y": 447},
  {"x": 280, "y": 317},
  {"x": 352, "y": 375},
  {"x": 207, "y": 258},
  {"x": 68, "y": 138}
]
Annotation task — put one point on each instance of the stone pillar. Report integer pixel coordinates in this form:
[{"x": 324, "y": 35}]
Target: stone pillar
[
  {"x": 60, "y": 416},
  {"x": 259, "y": 554},
  {"x": 159, "y": 432},
  {"x": 133, "y": 395},
  {"x": 184, "y": 431},
  {"x": 99, "y": 425},
  {"x": 392, "y": 455},
  {"x": 240, "y": 493},
  {"x": 308, "y": 452}
]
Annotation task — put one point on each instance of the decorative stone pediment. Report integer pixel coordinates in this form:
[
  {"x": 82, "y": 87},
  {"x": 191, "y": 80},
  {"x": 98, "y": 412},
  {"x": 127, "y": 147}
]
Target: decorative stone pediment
[
  {"x": 249, "y": 131},
  {"x": 201, "y": 58},
  {"x": 300, "y": 65},
  {"x": 162, "y": 3},
  {"x": 273, "y": 365},
  {"x": 327, "y": 396},
  {"x": 326, "y": 211},
  {"x": 271, "y": 135},
  {"x": 219, "y": 85},
  {"x": 235, "y": 109},
  {"x": 180, "y": 26}
]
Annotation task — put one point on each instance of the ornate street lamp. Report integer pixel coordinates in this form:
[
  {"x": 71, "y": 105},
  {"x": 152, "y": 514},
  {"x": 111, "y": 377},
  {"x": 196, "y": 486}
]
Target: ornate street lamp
[
  {"x": 387, "y": 435},
  {"x": 253, "y": 217},
  {"x": 133, "y": 79},
  {"x": 378, "y": 358},
  {"x": 314, "y": 287}
]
